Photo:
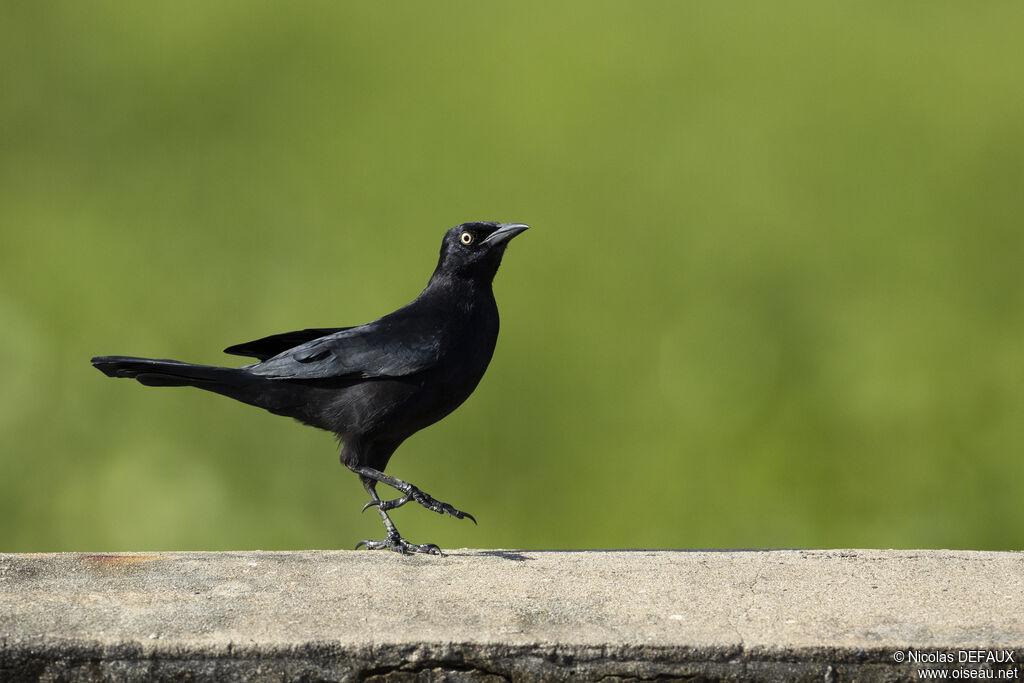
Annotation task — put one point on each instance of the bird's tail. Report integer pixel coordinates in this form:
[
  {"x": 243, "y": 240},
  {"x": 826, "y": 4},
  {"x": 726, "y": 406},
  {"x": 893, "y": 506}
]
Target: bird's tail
[
  {"x": 166, "y": 373},
  {"x": 279, "y": 398}
]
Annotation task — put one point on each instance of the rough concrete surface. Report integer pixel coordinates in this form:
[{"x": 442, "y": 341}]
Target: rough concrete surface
[{"x": 518, "y": 615}]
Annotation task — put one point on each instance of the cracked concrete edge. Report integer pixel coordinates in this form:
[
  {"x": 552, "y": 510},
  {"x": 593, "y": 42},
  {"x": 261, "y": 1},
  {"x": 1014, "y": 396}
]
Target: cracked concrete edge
[{"x": 50, "y": 659}]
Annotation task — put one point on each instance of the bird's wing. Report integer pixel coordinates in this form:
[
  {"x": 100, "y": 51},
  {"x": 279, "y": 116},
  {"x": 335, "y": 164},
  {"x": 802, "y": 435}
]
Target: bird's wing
[
  {"x": 394, "y": 346},
  {"x": 268, "y": 347}
]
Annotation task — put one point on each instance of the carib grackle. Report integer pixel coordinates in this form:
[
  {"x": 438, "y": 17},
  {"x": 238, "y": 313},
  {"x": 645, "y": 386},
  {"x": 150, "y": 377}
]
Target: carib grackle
[{"x": 374, "y": 385}]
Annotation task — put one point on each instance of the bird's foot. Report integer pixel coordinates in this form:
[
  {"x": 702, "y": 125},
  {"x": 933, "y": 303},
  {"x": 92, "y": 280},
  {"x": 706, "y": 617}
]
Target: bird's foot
[
  {"x": 398, "y": 544},
  {"x": 423, "y": 499}
]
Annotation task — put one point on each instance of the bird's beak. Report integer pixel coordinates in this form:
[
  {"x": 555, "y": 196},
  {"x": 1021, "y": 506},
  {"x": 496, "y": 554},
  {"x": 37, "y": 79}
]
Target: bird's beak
[{"x": 505, "y": 232}]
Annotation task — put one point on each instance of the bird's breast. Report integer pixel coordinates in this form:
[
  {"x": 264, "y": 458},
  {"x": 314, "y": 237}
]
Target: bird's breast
[{"x": 468, "y": 353}]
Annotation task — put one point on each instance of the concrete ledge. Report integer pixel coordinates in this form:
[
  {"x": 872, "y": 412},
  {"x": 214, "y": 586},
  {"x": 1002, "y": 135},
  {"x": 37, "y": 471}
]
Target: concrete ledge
[{"x": 523, "y": 615}]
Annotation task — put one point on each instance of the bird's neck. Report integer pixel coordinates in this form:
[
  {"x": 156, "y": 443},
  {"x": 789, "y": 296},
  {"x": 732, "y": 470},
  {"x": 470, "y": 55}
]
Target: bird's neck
[
  {"x": 473, "y": 283},
  {"x": 465, "y": 292}
]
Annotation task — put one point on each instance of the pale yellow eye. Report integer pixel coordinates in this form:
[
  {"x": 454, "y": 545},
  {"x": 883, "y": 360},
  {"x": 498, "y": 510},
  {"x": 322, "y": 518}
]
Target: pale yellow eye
[{"x": 466, "y": 238}]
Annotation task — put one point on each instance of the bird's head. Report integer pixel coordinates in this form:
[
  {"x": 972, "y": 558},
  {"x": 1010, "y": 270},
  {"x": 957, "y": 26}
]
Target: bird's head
[{"x": 474, "y": 250}]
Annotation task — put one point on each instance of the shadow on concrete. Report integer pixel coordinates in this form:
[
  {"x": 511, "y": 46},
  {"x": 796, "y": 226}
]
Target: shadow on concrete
[
  {"x": 524, "y": 555},
  {"x": 505, "y": 555}
]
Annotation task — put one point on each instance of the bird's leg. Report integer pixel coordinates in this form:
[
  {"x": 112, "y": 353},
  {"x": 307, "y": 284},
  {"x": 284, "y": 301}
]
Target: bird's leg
[
  {"x": 410, "y": 491},
  {"x": 394, "y": 540}
]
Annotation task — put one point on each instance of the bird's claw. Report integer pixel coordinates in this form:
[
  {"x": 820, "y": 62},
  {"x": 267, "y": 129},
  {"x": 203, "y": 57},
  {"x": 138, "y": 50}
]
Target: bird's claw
[
  {"x": 398, "y": 544},
  {"x": 437, "y": 506},
  {"x": 423, "y": 499}
]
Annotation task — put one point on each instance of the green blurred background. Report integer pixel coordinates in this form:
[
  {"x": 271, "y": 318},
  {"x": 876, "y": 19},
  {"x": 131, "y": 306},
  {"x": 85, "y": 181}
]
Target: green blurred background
[{"x": 773, "y": 295}]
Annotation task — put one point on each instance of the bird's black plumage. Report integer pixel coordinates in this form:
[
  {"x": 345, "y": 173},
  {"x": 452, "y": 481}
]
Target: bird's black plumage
[{"x": 376, "y": 384}]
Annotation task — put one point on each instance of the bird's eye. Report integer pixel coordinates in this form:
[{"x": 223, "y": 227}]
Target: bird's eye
[{"x": 466, "y": 238}]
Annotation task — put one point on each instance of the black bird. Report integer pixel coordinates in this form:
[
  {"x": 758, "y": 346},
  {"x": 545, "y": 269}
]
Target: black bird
[{"x": 374, "y": 385}]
